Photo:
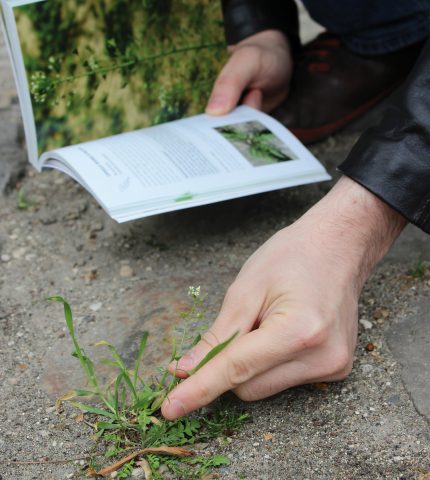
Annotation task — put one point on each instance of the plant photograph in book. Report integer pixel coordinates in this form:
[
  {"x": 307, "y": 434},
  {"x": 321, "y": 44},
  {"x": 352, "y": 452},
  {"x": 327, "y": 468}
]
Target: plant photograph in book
[
  {"x": 96, "y": 68},
  {"x": 256, "y": 143}
]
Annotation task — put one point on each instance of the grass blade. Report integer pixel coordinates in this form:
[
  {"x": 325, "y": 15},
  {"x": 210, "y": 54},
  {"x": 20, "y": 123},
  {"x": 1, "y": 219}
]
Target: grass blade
[
  {"x": 217, "y": 349},
  {"x": 121, "y": 365},
  {"x": 83, "y": 359},
  {"x": 142, "y": 346},
  {"x": 91, "y": 409}
]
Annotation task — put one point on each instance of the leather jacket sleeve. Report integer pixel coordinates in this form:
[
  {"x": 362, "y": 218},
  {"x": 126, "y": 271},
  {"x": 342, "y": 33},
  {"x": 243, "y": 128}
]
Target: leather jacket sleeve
[
  {"x": 243, "y": 18},
  {"x": 392, "y": 160}
]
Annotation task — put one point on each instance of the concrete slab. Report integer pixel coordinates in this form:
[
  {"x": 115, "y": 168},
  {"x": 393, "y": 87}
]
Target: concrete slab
[{"x": 409, "y": 341}]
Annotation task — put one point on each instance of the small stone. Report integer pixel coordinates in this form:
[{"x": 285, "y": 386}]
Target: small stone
[
  {"x": 255, "y": 444},
  {"x": 366, "y": 368},
  {"x": 138, "y": 473},
  {"x": 381, "y": 313},
  {"x": 44, "y": 433},
  {"x": 113, "y": 474},
  {"x": 148, "y": 269},
  {"x": 48, "y": 218},
  {"x": 393, "y": 400},
  {"x": 13, "y": 380},
  {"x": 91, "y": 275},
  {"x": 366, "y": 324},
  {"x": 19, "y": 253},
  {"x": 370, "y": 347},
  {"x": 126, "y": 271},
  {"x": 70, "y": 475},
  {"x": 50, "y": 409},
  {"x": 5, "y": 258},
  {"x": 97, "y": 227},
  {"x": 96, "y": 306}
]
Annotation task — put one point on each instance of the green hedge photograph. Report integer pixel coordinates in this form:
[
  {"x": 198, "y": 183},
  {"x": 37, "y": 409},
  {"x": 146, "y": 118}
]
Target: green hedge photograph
[{"x": 96, "y": 68}]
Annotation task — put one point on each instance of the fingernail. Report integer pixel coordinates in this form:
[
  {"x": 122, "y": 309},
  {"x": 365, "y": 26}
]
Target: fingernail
[
  {"x": 173, "y": 409},
  {"x": 187, "y": 361}
]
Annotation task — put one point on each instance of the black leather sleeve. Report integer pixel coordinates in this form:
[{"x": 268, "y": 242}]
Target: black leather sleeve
[
  {"x": 243, "y": 18},
  {"x": 392, "y": 160}
]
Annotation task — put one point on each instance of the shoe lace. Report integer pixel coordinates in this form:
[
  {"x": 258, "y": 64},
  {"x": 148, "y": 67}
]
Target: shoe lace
[{"x": 317, "y": 54}]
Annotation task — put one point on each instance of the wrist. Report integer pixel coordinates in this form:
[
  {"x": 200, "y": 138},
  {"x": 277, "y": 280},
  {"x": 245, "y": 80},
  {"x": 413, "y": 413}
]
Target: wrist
[
  {"x": 268, "y": 38},
  {"x": 357, "y": 225}
]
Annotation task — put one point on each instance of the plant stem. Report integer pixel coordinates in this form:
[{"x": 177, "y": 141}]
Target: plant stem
[{"x": 120, "y": 66}]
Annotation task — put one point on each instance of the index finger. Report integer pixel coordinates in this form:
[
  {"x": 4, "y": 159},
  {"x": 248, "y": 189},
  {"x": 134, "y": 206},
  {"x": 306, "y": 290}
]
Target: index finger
[{"x": 249, "y": 355}]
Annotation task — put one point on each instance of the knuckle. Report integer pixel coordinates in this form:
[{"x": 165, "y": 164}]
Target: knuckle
[
  {"x": 314, "y": 335},
  {"x": 203, "y": 393},
  {"x": 238, "y": 372},
  {"x": 340, "y": 363}
]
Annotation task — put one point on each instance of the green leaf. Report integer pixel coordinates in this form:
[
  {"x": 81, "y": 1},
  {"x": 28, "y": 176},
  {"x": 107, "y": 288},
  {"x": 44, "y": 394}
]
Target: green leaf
[
  {"x": 21, "y": 202},
  {"x": 184, "y": 197},
  {"x": 217, "y": 349},
  {"x": 91, "y": 409},
  {"x": 109, "y": 426}
]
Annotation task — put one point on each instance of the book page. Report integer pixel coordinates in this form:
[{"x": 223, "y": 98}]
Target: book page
[
  {"x": 94, "y": 69},
  {"x": 197, "y": 156}
]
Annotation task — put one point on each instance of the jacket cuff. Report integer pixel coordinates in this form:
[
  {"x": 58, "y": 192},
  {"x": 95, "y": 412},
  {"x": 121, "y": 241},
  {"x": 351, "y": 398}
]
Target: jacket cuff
[
  {"x": 243, "y": 18},
  {"x": 392, "y": 160}
]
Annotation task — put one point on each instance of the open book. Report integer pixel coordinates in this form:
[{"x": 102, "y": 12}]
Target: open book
[{"x": 109, "y": 90}]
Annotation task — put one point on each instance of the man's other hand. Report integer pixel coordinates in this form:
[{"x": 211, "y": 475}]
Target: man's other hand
[{"x": 257, "y": 74}]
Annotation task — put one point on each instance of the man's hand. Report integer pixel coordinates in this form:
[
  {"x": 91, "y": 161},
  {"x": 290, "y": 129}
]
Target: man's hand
[
  {"x": 294, "y": 304},
  {"x": 257, "y": 74}
]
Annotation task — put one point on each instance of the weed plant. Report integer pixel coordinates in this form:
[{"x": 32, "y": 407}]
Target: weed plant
[
  {"x": 418, "y": 269},
  {"x": 260, "y": 143},
  {"x": 126, "y": 414}
]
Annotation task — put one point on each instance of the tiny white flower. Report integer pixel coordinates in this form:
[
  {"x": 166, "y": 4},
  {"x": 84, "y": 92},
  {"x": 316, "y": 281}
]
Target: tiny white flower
[{"x": 194, "y": 291}]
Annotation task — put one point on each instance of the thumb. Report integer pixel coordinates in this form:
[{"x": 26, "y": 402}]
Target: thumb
[{"x": 234, "y": 79}]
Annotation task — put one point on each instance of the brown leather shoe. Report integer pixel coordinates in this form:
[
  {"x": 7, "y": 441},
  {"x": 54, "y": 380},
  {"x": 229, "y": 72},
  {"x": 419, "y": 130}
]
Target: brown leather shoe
[{"x": 332, "y": 86}]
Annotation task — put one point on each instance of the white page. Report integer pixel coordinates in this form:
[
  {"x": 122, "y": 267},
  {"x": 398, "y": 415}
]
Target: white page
[{"x": 188, "y": 156}]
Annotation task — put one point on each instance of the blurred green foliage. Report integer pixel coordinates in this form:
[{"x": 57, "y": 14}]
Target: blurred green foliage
[{"x": 101, "y": 67}]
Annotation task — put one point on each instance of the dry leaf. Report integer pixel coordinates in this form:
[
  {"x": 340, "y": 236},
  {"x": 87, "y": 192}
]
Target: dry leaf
[
  {"x": 174, "y": 451},
  {"x": 144, "y": 465},
  {"x": 79, "y": 418},
  {"x": 370, "y": 347},
  {"x": 378, "y": 357},
  {"x": 155, "y": 420},
  {"x": 91, "y": 472},
  {"x": 268, "y": 436},
  {"x": 67, "y": 396}
]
